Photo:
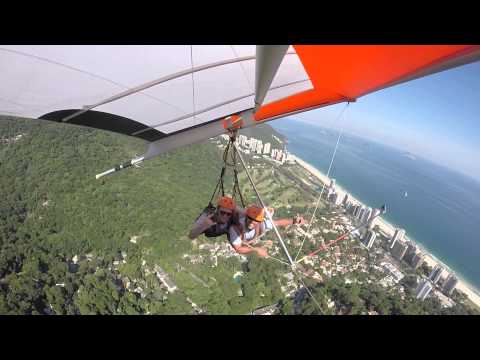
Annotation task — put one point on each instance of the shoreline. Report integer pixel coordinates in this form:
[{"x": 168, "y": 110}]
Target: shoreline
[{"x": 462, "y": 285}]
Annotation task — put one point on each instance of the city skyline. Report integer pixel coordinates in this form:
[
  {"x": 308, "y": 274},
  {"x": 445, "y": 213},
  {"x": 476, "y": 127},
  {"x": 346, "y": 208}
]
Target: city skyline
[{"x": 433, "y": 117}]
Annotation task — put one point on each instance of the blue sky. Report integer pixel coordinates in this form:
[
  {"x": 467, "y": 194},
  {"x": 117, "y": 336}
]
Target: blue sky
[{"x": 436, "y": 117}]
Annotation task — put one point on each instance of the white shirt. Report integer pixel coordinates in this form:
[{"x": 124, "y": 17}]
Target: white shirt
[{"x": 236, "y": 239}]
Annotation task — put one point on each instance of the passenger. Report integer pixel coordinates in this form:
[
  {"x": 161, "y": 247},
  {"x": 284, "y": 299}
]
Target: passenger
[{"x": 251, "y": 226}]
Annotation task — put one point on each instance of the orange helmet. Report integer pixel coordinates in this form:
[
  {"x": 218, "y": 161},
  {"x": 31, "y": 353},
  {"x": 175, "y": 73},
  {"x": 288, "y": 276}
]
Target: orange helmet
[
  {"x": 256, "y": 213},
  {"x": 226, "y": 202}
]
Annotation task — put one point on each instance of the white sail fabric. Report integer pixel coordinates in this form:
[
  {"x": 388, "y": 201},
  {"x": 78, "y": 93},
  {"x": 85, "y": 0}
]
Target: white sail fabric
[{"x": 40, "y": 79}]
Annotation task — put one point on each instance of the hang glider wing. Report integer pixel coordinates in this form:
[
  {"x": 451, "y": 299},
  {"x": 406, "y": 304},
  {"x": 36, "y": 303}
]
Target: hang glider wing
[{"x": 173, "y": 96}]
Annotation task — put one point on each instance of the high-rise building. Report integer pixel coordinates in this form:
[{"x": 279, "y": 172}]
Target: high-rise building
[
  {"x": 366, "y": 215},
  {"x": 266, "y": 148},
  {"x": 279, "y": 155},
  {"x": 284, "y": 157},
  {"x": 243, "y": 140},
  {"x": 345, "y": 200},
  {"x": 450, "y": 284},
  {"x": 274, "y": 153},
  {"x": 259, "y": 148},
  {"x": 417, "y": 260},
  {"x": 333, "y": 197},
  {"x": 423, "y": 289},
  {"x": 398, "y": 235},
  {"x": 347, "y": 206},
  {"x": 356, "y": 210},
  {"x": 399, "y": 250},
  {"x": 372, "y": 218},
  {"x": 411, "y": 251},
  {"x": 360, "y": 213},
  {"x": 253, "y": 144},
  {"x": 369, "y": 238},
  {"x": 435, "y": 274}
]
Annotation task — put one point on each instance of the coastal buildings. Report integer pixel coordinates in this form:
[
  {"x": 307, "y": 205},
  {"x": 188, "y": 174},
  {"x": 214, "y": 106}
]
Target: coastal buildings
[
  {"x": 259, "y": 147},
  {"x": 355, "y": 210},
  {"x": 375, "y": 213},
  {"x": 369, "y": 238},
  {"x": 266, "y": 148},
  {"x": 423, "y": 289},
  {"x": 417, "y": 260},
  {"x": 398, "y": 235},
  {"x": 345, "y": 200},
  {"x": 367, "y": 214},
  {"x": 279, "y": 155},
  {"x": 435, "y": 274},
  {"x": 450, "y": 284},
  {"x": 273, "y": 154},
  {"x": 333, "y": 197},
  {"x": 411, "y": 251},
  {"x": 360, "y": 214},
  {"x": 399, "y": 249}
]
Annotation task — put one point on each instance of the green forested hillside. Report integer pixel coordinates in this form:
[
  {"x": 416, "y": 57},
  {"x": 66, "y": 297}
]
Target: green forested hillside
[{"x": 71, "y": 244}]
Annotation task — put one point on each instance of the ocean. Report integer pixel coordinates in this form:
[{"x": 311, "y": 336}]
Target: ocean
[{"x": 439, "y": 208}]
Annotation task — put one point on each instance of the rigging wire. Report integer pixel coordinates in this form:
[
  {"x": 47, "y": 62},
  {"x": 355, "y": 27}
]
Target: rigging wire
[
  {"x": 193, "y": 84},
  {"x": 323, "y": 186},
  {"x": 264, "y": 206},
  {"x": 309, "y": 292},
  {"x": 243, "y": 68}
]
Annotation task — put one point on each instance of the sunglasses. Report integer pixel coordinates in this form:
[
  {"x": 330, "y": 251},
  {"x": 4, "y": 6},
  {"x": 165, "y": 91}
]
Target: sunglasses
[{"x": 223, "y": 213}]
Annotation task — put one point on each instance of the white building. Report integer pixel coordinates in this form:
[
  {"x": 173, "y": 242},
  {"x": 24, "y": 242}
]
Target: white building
[
  {"x": 450, "y": 284},
  {"x": 423, "y": 289},
  {"x": 360, "y": 213},
  {"x": 356, "y": 210},
  {"x": 435, "y": 274},
  {"x": 393, "y": 271},
  {"x": 369, "y": 238},
  {"x": 274, "y": 153},
  {"x": 372, "y": 218},
  {"x": 398, "y": 235},
  {"x": 259, "y": 148},
  {"x": 266, "y": 148},
  {"x": 164, "y": 279},
  {"x": 253, "y": 144},
  {"x": 243, "y": 140},
  {"x": 279, "y": 155},
  {"x": 367, "y": 214}
]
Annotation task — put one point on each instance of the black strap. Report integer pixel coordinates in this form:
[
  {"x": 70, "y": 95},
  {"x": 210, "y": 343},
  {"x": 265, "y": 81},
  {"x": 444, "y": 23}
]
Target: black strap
[{"x": 230, "y": 148}]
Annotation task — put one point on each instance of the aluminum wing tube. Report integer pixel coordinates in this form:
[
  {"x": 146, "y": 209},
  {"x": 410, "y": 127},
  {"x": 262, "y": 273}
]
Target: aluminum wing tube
[
  {"x": 268, "y": 60},
  {"x": 194, "y": 135}
]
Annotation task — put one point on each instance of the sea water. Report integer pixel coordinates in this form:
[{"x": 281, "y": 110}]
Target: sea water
[{"x": 441, "y": 211}]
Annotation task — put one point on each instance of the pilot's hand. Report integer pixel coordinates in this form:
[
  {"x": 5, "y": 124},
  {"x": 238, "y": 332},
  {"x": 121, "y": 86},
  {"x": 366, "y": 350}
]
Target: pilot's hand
[{"x": 209, "y": 221}]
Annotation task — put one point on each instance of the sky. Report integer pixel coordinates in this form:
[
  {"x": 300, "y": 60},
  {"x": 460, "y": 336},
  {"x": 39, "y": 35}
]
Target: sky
[{"x": 436, "y": 117}]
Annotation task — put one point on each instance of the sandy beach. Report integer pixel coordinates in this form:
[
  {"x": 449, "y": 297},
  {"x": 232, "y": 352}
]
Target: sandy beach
[{"x": 389, "y": 230}]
